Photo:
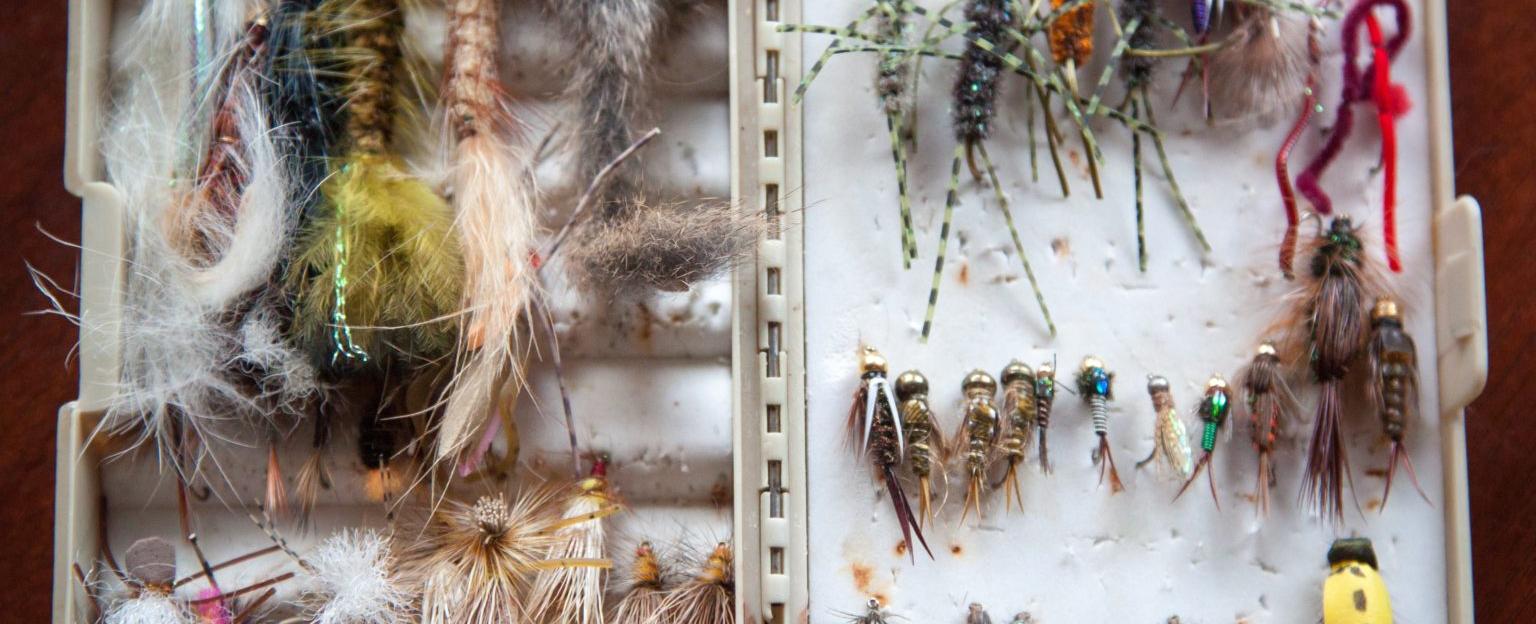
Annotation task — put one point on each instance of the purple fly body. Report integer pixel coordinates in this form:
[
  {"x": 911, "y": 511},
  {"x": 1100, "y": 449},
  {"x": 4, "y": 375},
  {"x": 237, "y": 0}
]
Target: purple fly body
[{"x": 1201, "y": 10}]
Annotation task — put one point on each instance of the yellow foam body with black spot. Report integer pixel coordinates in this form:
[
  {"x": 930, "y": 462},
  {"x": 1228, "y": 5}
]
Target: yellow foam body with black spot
[{"x": 1355, "y": 594}]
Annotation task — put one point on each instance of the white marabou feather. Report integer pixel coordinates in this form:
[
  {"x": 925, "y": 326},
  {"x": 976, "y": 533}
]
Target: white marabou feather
[
  {"x": 149, "y": 608},
  {"x": 352, "y": 581}
]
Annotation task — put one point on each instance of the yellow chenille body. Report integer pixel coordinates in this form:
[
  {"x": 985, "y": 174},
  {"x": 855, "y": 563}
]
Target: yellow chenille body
[{"x": 1355, "y": 594}]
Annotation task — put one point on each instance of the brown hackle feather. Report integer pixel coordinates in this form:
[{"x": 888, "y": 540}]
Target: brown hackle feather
[
  {"x": 1261, "y": 71},
  {"x": 1071, "y": 35},
  {"x": 1327, "y": 327},
  {"x": 645, "y": 590},
  {"x": 708, "y": 597}
]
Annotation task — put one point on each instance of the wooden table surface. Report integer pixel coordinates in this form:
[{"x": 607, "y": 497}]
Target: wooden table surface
[{"x": 1491, "y": 47}]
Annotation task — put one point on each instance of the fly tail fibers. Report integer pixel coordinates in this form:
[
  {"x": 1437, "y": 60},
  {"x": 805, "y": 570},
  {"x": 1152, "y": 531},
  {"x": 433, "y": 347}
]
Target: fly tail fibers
[
  {"x": 1203, "y": 465},
  {"x": 574, "y": 595},
  {"x": 1107, "y": 466},
  {"x": 493, "y": 200},
  {"x": 379, "y": 271},
  {"x": 708, "y": 597},
  {"x": 1327, "y": 462},
  {"x": 314, "y": 475},
  {"x": 646, "y": 590}
]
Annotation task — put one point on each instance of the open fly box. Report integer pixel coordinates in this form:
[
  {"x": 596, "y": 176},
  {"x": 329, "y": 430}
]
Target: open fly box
[{"x": 723, "y": 407}]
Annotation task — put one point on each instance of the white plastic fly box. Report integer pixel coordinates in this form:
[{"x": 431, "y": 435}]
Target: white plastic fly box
[{"x": 724, "y": 409}]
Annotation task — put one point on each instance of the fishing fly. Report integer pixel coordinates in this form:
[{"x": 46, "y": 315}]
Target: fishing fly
[
  {"x": 873, "y": 613},
  {"x": 1331, "y": 319},
  {"x": 975, "y": 444},
  {"x": 1269, "y": 402},
  {"x": 1394, "y": 385},
  {"x": 380, "y": 271},
  {"x": 497, "y": 228},
  {"x": 977, "y": 614},
  {"x": 1019, "y": 409},
  {"x": 1045, "y": 399},
  {"x": 873, "y": 423},
  {"x": 925, "y": 440},
  {"x": 574, "y": 594},
  {"x": 975, "y": 95},
  {"x": 1214, "y": 409},
  {"x": 1170, "y": 444},
  {"x": 645, "y": 590},
  {"x": 1096, "y": 385},
  {"x": 1354, "y": 592},
  {"x": 473, "y": 561},
  {"x": 708, "y": 597}
]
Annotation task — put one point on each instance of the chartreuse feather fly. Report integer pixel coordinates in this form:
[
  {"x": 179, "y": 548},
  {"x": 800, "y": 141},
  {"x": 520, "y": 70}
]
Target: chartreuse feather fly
[{"x": 378, "y": 273}]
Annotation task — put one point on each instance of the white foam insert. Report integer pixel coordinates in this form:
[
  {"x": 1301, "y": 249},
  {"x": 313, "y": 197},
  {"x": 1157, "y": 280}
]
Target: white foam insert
[
  {"x": 650, "y": 380},
  {"x": 1078, "y": 554}
]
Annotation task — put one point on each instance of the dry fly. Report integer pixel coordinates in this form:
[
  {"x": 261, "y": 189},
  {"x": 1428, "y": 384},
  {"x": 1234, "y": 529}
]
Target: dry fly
[
  {"x": 1214, "y": 409},
  {"x": 1045, "y": 399},
  {"x": 646, "y": 589},
  {"x": 149, "y": 578},
  {"x": 1018, "y": 426},
  {"x": 975, "y": 444},
  {"x": 707, "y": 598},
  {"x": 1170, "y": 442},
  {"x": 473, "y": 562},
  {"x": 1269, "y": 403},
  {"x": 1394, "y": 385},
  {"x": 574, "y": 594},
  {"x": 925, "y": 440},
  {"x": 1096, "y": 384},
  {"x": 872, "y": 419}
]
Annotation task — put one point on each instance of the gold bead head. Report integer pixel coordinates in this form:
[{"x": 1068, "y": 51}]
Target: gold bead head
[
  {"x": 1016, "y": 371},
  {"x": 1386, "y": 309},
  {"x": 1045, "y": 371},
  {"x": 1217, "y": 382},
  {"x": 978, "y": 381},
  {"x": 1267, "y": 348},
  {"x": 870, "y": 361},
  {"x": 911, "y": 384}
]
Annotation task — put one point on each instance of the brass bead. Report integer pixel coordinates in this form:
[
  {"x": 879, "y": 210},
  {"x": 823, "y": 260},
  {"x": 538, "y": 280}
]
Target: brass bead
[
  {"x": 1046, "y": 370},
  {"x": 911, "y": 384},
  {"x": 870, "y": 361},
  {"x": 1386, "y": 308},
  {"x": 1016, "y": 371},
  {"x": 1217, "y": 382},
  {"x": 1267, "y": 348},
  {"x": 979, "y": 381}
]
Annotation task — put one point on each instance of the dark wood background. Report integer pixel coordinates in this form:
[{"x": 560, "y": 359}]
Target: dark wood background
[{"x": 1494, "y": 97}]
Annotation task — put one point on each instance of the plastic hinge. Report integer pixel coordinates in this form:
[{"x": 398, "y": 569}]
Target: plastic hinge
[{"x": 1460, "y": 304}]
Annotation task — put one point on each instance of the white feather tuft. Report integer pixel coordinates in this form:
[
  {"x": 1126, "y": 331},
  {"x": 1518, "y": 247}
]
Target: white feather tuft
[
  {"x": 574, "y": 595},
  {"x": 193, "y": 266},
  {"x": 353, "y": 581},
  {"x": 149, "y": 608}
]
